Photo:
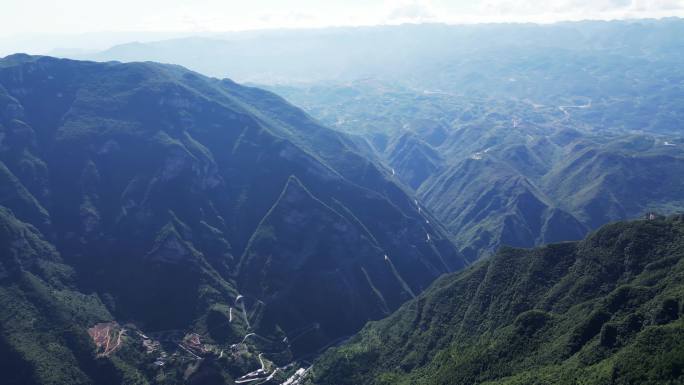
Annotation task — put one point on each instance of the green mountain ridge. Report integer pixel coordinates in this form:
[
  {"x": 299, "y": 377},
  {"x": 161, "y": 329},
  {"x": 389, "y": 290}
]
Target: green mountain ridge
[
  {"x": 159, "y": 189},
  {"x": 605, "y": 310}
]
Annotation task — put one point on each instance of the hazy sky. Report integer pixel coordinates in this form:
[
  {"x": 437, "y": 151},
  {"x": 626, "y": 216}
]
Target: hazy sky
[
  {"x": 38, "y": 26},
  {"x": 78, "y": 16}
]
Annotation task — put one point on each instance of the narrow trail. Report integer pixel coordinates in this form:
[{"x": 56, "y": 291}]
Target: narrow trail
[
  {"x": 261, "y": 361},
  {"x": 301, "y": 332},
  {"x": 118, "y": 339},
  {"x": 247, "y": 336},
  {"x": 377, "y": 292},
  {"x": 255, "y": 308},
  {"x": 567, "y": 113},
  {"x": 403, "y": 283},
  {"x": 241, "y": 300},
  {"x": 297, "y": 377},
  {"x": 244, "y": 314},
  {"x": 257, "y": 375},
  {"x": 270, "y": 377},
  {"x": 106, "y": 349},
  {"x": 441, "y": 257},
  {"x": 262, "y": 375},
  {"x": 195, "y": 356},
  {"x": 246, "y": 380},
  {"x": 104, "y": 338}
]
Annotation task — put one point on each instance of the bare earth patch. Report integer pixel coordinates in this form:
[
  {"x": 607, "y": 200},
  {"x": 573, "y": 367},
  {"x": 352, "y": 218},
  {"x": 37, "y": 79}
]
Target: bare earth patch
[{"x": 107, "y": 337}]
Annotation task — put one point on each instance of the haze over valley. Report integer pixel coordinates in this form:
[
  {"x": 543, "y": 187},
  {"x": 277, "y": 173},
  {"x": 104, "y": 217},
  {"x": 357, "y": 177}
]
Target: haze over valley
[{"x": 380, "y": 193}]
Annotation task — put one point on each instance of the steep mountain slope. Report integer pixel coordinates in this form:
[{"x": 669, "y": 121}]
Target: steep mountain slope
[
  {"x": 487, "y": 202},
  {"x": 606, "y": 310},
  {"x": 524, "y": 191},
  {"x": 603, "y": 184},
  {"x": 170, "y": 194},
  {"x": 43, "y": 317},
  {"x": 413, "y": 160},
  {"x": 428, "y": 97},
  {"x": 507, "y": 170},
  {"x": 304, "y": 247}
]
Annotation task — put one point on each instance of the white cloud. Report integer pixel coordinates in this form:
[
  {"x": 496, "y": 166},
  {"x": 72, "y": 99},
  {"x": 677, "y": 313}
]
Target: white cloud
[
  {"x": 50, "y": 17},
  {"x": 557, "y": 10},
  {"x": 39, "y": 26},
  {"x": 411, "y": 11}
]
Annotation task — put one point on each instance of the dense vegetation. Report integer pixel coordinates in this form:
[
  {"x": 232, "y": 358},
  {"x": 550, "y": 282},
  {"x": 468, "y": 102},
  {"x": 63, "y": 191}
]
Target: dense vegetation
[
  {"x": 606, "y": 310},
  {"x": 42, "y": 340},
  {"x": 152, "y": 207}
]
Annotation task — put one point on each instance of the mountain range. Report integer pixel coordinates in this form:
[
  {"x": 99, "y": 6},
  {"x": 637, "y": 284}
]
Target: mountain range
[
  {"x": 504, "y": 170},
  {"x": 526, "y": 139},
  {"x": 493, "y": 126},
  {"x": 148, "y": 200},
  {"x": 468, "y": 193}
]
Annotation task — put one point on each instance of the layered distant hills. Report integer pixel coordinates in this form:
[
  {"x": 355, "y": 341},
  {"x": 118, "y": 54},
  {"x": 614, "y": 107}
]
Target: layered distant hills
[
  {"x": 603, "y": 57},
  {"x": 523, "y": 135},
  {"x": 630, "y": 70},
  {"x": 515, "y": 134},
  {"x": 171, "y": 215},
  {"x": 606, "y": 310},
  {"x": 507, "y": 171}
]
